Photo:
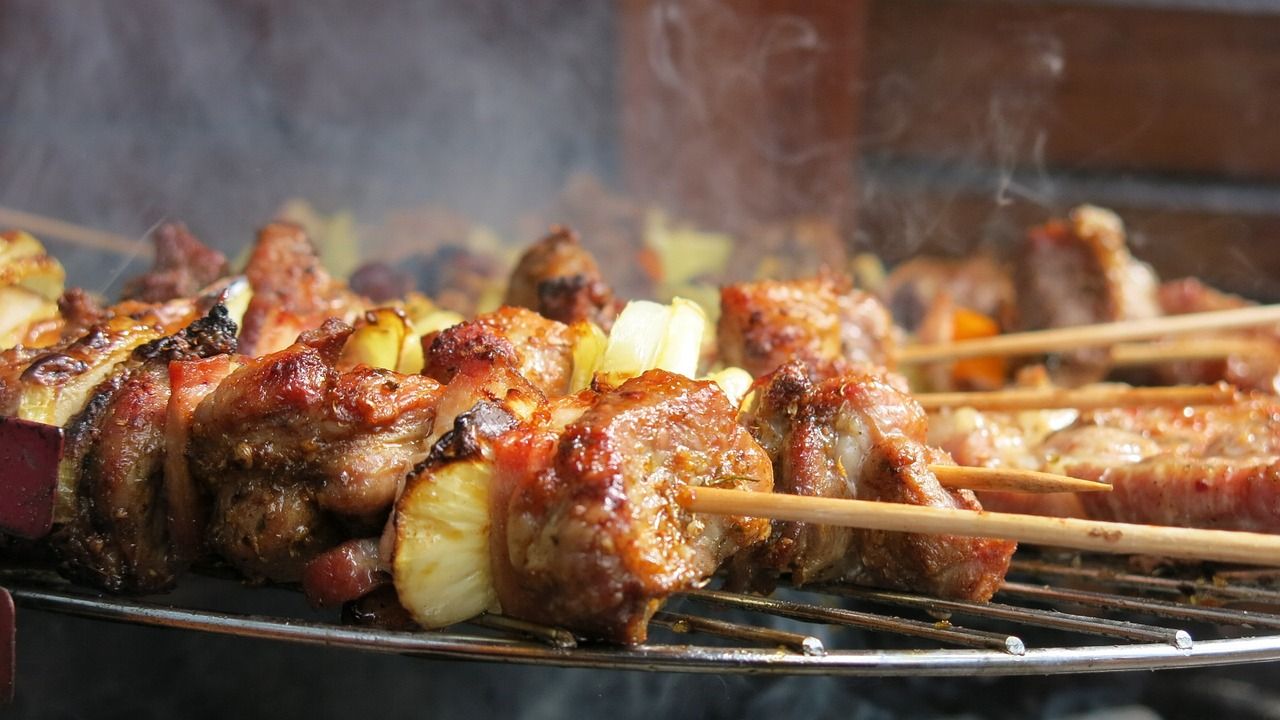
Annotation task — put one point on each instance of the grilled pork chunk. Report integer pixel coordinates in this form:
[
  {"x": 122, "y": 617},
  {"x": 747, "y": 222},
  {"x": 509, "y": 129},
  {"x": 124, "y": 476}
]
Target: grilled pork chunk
[
  {"x": 539, "y": 349},
  {"x": 587, "y": 532},
  {"x": 183, "y": 266},
  {"x": 821, "y": 322},
  {"x": 1209, "y": 467},
  {"x": 558, "y": 278},
  {"x": 118, "y": 535},
  {"x": 861, "y": 436},
  {"x": 292, "y": 292},
  {"x": 1080, "y": 272},
  {"x": 296, "y": 453},
  {"x": 1260, "y": 371}
]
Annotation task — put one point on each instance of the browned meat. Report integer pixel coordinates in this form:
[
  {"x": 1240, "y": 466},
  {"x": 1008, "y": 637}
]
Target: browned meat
[
  {"x": 292, "y": 292},
  {"x": 821, "y": 322},
  {"x": 1255, "y": 371},
  {"x": 1209, "y": 492},
  {"x": 1079, "y": 272},
  {"x": 294, "y": 451},
  {"x": 345, "y": 573},
  {"x": 1209, "y": 466},
  {"x": 558, "y": 278},
  {"x": 999, "y": 439},
  {"x": 616, "y": 223},
  {"x": 380, "y": 282},
  {"x": 183, "y": 266},
  {"x": 539, "y": 349},
  {"x": 1247, "y": 428},
  {"x": 861, "y": 436},
  {"x": 587, "y": 532},
  {"x": 978, "y": 284},
  {"x": 189, "y": 381},
  {"x": 118, "y": 537}
]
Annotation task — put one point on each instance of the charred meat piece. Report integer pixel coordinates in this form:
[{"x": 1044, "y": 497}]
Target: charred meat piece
[
  {"x": 558, "y": 278},
  {"x": 978, "y": 284},
  {"x": 1080, "y": 272},
  {"x": 861, "y": 436},
  {"x": 539, "y": 349},
  {"x": 821, "y": 322},
  {"x": 587, "y": 532},
  {"x": 292, "y": 292},
  {"x": 118, "y": 535},
  {"x": 183, "y": 266},
  {"x": 296, "y": 453}
]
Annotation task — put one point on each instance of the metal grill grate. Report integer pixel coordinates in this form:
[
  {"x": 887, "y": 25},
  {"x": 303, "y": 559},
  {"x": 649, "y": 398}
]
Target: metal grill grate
[{"x": 1092, "y": 616}]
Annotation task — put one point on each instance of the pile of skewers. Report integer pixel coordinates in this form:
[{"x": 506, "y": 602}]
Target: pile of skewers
[{"x": 575, "y": 459}]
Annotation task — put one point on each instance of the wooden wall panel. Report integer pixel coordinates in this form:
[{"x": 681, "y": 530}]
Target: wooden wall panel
[{"x": 1076, "y": 85}]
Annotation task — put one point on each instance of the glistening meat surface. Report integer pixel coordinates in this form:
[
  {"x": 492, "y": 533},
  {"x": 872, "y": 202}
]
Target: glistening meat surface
[
  {"x": 588, "y": 531},
  {"x": 821, "y": 322},
  {"x": 861, "y": 436},
  {"x": 297, "y": 454}
]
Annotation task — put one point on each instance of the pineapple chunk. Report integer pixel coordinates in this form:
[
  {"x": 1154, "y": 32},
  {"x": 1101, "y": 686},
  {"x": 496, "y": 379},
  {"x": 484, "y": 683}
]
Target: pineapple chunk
[
  {"x": 19, "y": 308},
  {"x": 647, "y": 335},
  {"x": 589, "y": 343},
  {"x": 735, "y": 382},
  {"x": 441, "y": 559},
  {"x": 379, "y": 342},
  {"x": 24, "y": 263}
]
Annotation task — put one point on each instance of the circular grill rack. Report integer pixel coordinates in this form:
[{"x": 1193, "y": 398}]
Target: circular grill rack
[{"x": 1117, "y": 623}]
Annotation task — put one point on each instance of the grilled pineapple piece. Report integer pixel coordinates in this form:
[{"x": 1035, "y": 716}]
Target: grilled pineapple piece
[
  {"x": 378, "y": 341},
  {"x": 391, "y": 337},
  {"x": 30, "y": 283},
  {"x": 648, "y": 335},
  {"x": 441, "y": 558},
  {"x": 589, "y": 343},
  {"x": 24, "y": 263},
  {"x": 62, "y": 381},
  {"x": 19, "y": 308}
]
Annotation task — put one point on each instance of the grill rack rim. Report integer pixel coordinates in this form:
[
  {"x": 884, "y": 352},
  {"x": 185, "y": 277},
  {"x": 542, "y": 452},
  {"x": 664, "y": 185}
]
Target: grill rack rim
[{"x": 35, "y": 593}]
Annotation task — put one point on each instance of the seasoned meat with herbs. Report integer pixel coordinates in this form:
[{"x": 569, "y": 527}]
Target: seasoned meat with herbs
[
  {"x": 861, "y": 436},
  {"x": 587, "y": 530},
  {"x": 292, "y": 292},
  {"x": 295, "y": 452},
  {"x": 822, "y": 322},
  {"x": 1212, "y": 466},
  {"x": 1078, "y": 272},
  {"x": 539, "y": 349},
  {"x": 558, "y": 278},
  {"x": 183, "y": 266}
]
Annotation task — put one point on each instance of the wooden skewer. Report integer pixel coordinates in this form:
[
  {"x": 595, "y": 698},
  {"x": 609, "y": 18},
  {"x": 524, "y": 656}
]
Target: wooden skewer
[
  {"x": 1081, "y": 398},
  {"x": 1154, "y": 353},
  {"x": 1082, "y": 336},
  {"x": 1092, "y": 535},
  {"x": 1012, "y": 480},
  {"x": 42, "y": 226}
]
